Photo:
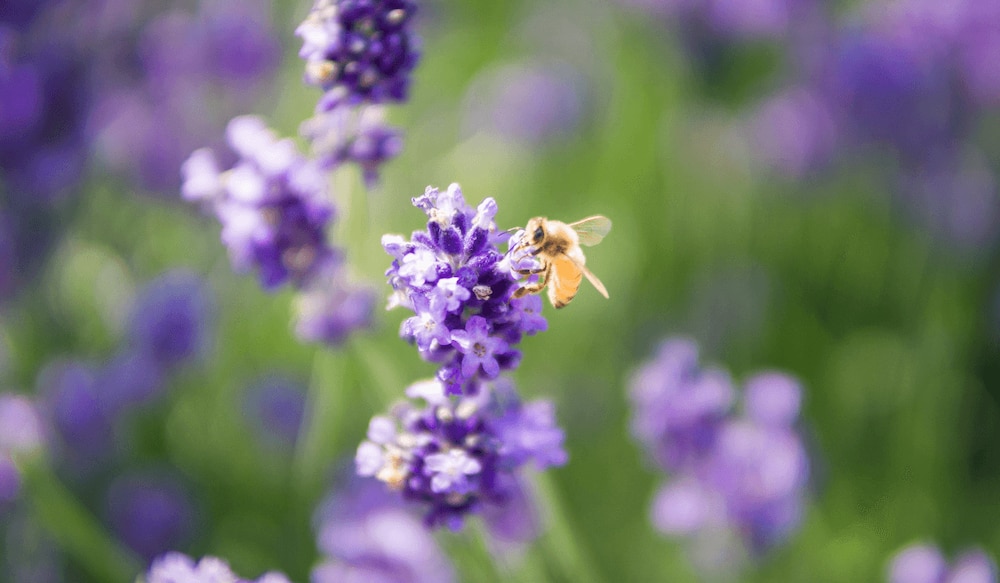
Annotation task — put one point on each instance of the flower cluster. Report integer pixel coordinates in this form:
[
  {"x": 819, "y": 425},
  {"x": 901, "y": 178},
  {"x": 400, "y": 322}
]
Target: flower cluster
[
  {"x": 922, "y": 563},
  {"x": 911, "y": 82},
  {"x": 178, "y": 568},
  {"x": 365, "y": 534},
  {"x": 362, "y": 48},
  {"x": 460, "y": 455},
  {"x": 20, "y": 434},
  {"x": 459, "y": 286},
  {"x": 275, "y": 209},
  {"x": 743, "y": 473},
  {"x": 153, "y": 111},
  {"x": 361, "y": 53},
  {"x": 273, "y": 204},
  {"x": 91, "y": 409}
]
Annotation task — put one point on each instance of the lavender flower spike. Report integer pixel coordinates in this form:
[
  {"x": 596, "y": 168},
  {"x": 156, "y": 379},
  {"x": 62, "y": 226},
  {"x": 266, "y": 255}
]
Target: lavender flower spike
[
  {"x": 273, "y": 204},
  {"x": 738, "y": 473},
  {"x": 178, "y": 568},
  {"x": 459, "y": 286},
  {"x": 362, "y": 50},
  {"x": 924, "y": 563},
  {"x": 457, "y": 456},
  {"x": 20, "y": 433}
]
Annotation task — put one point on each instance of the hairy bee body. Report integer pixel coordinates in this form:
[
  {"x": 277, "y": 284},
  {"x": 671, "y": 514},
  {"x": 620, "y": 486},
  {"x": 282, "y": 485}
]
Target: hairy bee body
[{"x": 562, "y": 262}]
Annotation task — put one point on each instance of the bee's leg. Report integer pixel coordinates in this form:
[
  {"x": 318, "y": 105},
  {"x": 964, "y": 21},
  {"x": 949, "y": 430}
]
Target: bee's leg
[
  {"x": 534, "y": 288},
  {"x": 532, "y": 271}
]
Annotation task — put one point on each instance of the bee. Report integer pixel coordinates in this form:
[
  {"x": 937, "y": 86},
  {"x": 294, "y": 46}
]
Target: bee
[{"x": 562, "y": 263}]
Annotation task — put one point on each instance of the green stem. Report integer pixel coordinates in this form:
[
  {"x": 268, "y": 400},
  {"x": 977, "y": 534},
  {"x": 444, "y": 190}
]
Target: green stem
[
  {"x": 561, "y": 547},
  {"x": 76, "y": 530},
  {"x": 379, "y": 370},
  {"x": 320, "y": 436}
]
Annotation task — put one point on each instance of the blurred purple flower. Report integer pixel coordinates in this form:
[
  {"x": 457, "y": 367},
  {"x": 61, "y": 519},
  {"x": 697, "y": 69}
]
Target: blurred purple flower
[
  {"x": 794, "y": 132},
  {"x": 131, "y": 379},
  {"x": 20, "y": 424},
  {"x": 171, "y": 320},
  {"x": 152, "y": 113},
  {"x": 924, "y": 563},
  {"x": 44, "y": 89},
  {"x": 451, "y": 455},
  {"x": 175, "y": 567},
  {"x": 955, "y": 197},
  {"x": 532, "y": 103},
  {"x": 10, "y": 480},
  {"x": 275, "y": 407},
  {"x": 745, "y": 474},
  {"x": 150, "y": 511},
  {"x": 341, "y": 134},
  {"x": 679, "y": 408},
  {"x": 366, "y": 535},
  {"x": 78, "y": 416},
  {"x": 330, "y": 307},
  {"x": 273, "y": 204}
]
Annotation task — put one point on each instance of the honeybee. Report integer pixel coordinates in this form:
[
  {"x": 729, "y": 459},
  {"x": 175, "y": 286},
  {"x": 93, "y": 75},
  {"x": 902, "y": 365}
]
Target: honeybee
[{"x": 562, "y": 263}]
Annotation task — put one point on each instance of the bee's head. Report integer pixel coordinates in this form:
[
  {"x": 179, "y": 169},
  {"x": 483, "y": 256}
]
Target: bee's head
[{"x": 535, "y": 231}]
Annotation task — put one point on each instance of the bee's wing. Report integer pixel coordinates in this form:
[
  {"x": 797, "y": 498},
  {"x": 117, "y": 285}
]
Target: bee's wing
[
  {"x": 591, "y": 230},
  {"x": 590, "y": 276}
]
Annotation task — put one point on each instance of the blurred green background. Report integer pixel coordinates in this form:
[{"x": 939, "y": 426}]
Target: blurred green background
[{"x": 890, "y": 332}]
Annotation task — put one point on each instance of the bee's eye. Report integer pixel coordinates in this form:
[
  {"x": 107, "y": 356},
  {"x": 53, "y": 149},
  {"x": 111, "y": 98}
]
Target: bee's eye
[{"x": 539, "y": 233}]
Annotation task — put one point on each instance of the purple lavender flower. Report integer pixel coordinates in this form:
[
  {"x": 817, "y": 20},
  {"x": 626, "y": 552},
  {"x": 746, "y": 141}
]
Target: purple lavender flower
[
  {"x": 363, "y": 50},
  {"x": 745, "y": 474},
  {"x": 131, "y": 379},
  {"x": 275, "y": 407},
  {"x": 459, "y": 286},
  {"x": 20, "y": 434},
  {"x": 924, "y": 563},
  {"x": 44, "y": 89},
  {"x": 340, "y": 133},
  {"x": 678, "y": 408},
  {"x": 20, "y": 425},
  {"x": 77, "y": 413},
  {"x": 150, "y": 512},
  {"x": 366, "y": 534},
  {"x": 273, "y": 204},
  {"x": 10, "y": 480},
  {"x": 175, "y": 567},
  {"x": 795, "y": 131},
  {"x": 331, "y": 307},
  {"x": 531, "y": 103},
  {"x": 171, "y": 319},
  {"x": 152, "y": 113},
  {"x": 460, "y": 455}
]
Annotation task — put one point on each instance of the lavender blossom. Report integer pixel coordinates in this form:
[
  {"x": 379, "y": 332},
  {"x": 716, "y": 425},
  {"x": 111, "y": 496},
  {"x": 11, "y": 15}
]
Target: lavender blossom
[
  {"x": 743, "y": 473},
  {"x": 340, "y": 133},
  {"x": 80, "y": 420},
  {"x": 363, "y": 50},
  {"x": 20, "y": 434},
  {"x": 331, "y": 307},
  {"x": 175, "y": 567},
  {"x": 366, "y": 534},
  {"x": 275, "y": 407},
  {"x": 459, "y": 286},
  {"x": 44, "y": 89},
  {"x": 273, "y": 204},
  {"x": 924, "y": 563},
  {"x": 150, "y": 512},
  {"x": 171, "y": 319},
  {"x": 462, "y": 455},
  {"x": 531, "y": 103},
  {"x": 148, "y": 117}
]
